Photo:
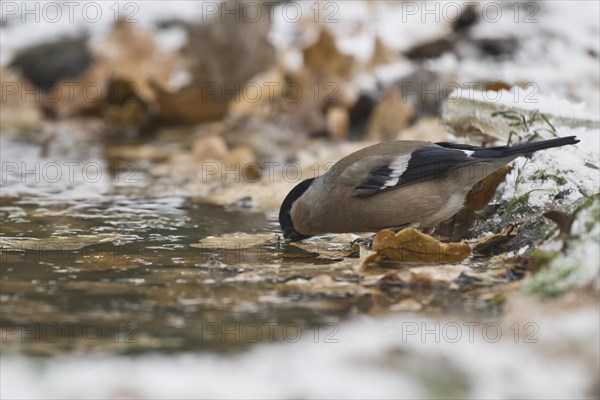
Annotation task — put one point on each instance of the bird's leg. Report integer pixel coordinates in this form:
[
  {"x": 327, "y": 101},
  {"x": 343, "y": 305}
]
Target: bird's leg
[
  {"x": 428, "y": 231},
  {"x": 366, "y": 242}
]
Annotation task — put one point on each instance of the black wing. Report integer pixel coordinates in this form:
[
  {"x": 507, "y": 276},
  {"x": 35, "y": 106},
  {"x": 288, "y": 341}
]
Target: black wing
[{"x": 430, "y": 162}]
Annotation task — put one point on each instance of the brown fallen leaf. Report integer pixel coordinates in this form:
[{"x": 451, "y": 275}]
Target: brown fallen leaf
[
  {"x": 479, "y": 196},
  {"x": 436, "y": 275},
  {"x": 407, "y": 305},
  {"x": 453, "y": 276},
  {"x": 338, "y": 121},
  {"x": 235, "y": 241},
  {"x": 261, "y": 96},
  {"x": 382, "y": 55},
  {"x": 216, "y": 76},
  {"x": 497, "y": 86},
  {"x": 249, "y": 277},
  {"x": 455, "y": 228},
  {"x": 486, "y": 245},
  {"x": 427, "y": 276},
  {"x": 325, "y": 60},
  {"x": 483, "y": 191},
  {"x": 389, "y": 117},
  {"x": 58, "y": 243},
  {"x": 410, "y": 245},
  {"x": 191, "y": 105},
  {"x": 325, "y": 284},
  {"x": 331, "y": 248},
  {"x": 563, "y": 220},
  {"x": 129, "y": 68}
]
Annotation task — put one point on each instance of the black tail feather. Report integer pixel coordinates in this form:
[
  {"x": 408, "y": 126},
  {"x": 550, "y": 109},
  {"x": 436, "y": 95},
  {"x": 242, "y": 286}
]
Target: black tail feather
[{"x": 508, "y": 151}]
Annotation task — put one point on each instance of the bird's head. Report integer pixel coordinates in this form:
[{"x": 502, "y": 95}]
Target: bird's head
[{"x": 285, "y": 212}]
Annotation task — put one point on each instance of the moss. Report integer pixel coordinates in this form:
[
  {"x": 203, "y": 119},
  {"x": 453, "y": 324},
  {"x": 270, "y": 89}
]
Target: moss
[
  {"x": 543, "y": 175},
  {"x": 543, "y": 256},
  {"x": 522, "y": 200},
  {"x": 550, "y": 233},
  {"x": 497, "y": 300}
]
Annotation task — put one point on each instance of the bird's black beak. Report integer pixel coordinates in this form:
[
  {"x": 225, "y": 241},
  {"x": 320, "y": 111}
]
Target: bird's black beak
[{"x": 293, "y": 236}]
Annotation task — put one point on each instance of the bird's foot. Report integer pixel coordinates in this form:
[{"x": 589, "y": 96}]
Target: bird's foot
[{"x": 365, "y": 242}]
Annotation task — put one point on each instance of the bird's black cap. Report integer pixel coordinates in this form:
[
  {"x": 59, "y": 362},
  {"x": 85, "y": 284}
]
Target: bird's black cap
[{"x": 285, "y": 217}]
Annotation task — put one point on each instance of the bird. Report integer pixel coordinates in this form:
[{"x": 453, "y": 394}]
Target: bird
[{"x": 395, "y": 184}]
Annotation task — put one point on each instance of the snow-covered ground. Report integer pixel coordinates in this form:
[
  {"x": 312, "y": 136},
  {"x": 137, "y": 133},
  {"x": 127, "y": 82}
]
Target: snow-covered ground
[
  {"x": 390, "y": 357},
  {"x": 373, "y": 357},
  {"x": 558, "y": 40}
]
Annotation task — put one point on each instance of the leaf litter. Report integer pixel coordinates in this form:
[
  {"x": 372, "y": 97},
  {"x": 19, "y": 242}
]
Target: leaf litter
[{"x": 472, "y": 264}]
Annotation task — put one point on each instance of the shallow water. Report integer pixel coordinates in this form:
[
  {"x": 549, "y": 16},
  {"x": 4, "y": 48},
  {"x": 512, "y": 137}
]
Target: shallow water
[
  {"x": 98, "y": 265},
  {"x": 95, "y": 270},
  {"x": 145, "y": 287},
  {"x": 119, "y": 273}
]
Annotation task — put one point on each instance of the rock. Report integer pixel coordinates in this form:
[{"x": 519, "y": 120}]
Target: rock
[
  {"x": 461, "y": 45},
  {"x": 432, "y": 49},
  {"x": 469, "y": 17},
  {"x": 497, "y": 47},
  {"x": 50, "y": 62},
  {"x": 360, "y": 114}
]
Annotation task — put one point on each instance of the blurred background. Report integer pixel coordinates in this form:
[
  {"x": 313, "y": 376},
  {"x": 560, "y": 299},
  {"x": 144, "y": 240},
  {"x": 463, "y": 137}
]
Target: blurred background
[{"x": 146, "y": 148}]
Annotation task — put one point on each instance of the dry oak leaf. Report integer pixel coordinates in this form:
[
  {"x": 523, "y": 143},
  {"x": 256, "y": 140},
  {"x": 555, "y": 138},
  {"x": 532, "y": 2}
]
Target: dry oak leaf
[
  {"x": 487, "y": 244},
  {"x": 410, "y": 245},
  {"x": 325, "y": 60},
  {"x": 390, "y": 116},
  {"x": 484, "y": 190}
]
